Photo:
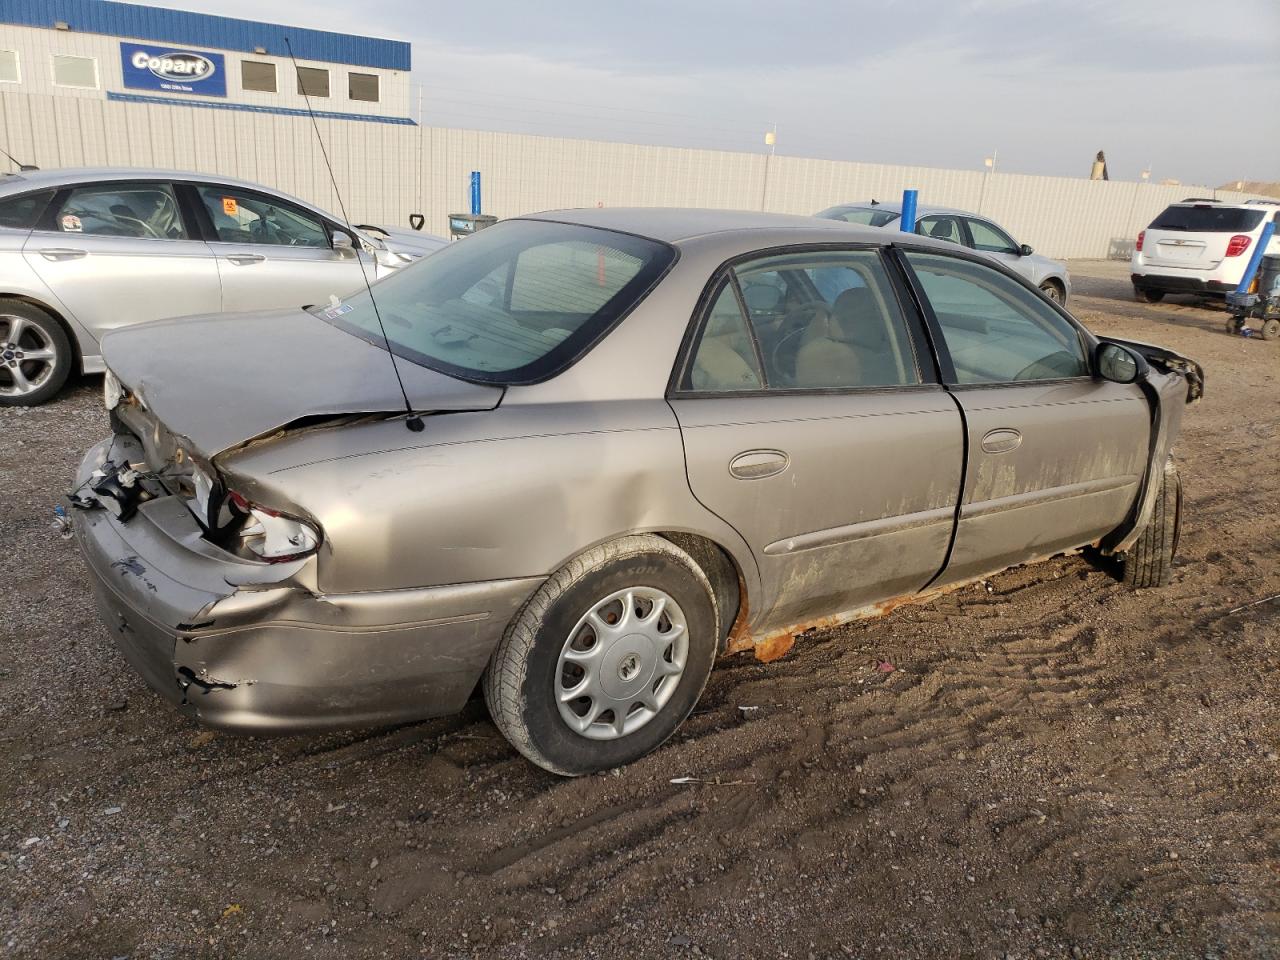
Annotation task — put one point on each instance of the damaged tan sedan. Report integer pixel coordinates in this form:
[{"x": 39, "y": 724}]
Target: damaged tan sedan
[{"x": 574, "y": 458}]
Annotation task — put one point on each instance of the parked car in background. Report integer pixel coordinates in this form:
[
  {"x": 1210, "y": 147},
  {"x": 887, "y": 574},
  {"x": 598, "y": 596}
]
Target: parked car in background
[
  {"x": 969, "y": 230},
  {"x": 85, "y": 251},
  {"x": 1200, "y": 246},
  {"x": 636, "y": 440}
]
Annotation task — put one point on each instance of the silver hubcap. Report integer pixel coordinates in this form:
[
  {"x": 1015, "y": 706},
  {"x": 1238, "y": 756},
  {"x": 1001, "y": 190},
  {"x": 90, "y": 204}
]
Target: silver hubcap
[
  {"x": 27, "y": 357},
  {"x": 621, "y": 663}
]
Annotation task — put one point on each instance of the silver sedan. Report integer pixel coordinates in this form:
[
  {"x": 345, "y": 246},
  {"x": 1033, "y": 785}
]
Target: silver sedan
[
  {"x": 970, "y": 230},
  {"x": 578, "y": 457},
  {"x": 84, "y": 251}
]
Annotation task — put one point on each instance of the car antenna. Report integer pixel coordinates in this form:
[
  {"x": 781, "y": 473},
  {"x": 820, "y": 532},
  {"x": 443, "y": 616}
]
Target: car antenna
[
  {"x": 22, "y": 167},
  {"x": 414, "y": 422}
]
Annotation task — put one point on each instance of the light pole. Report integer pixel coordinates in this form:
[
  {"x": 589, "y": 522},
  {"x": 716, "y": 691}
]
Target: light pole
[
  {"x": 771, "y": 140},
  {"x": 990, "y": 164}
]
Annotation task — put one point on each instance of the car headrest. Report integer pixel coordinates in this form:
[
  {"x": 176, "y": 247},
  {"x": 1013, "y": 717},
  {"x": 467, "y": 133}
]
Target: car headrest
[
  {"x": 941, "y": 229},
  {"x": 855, "y": 317}
]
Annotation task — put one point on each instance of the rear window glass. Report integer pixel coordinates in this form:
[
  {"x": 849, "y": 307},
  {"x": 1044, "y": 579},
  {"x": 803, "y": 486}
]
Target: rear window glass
[
  {"x": 515, "y": 303},
  {"x": 1207, "y": 219},
  {"x": 21, "y": 213},
  {"x": 865, "y": 216}
]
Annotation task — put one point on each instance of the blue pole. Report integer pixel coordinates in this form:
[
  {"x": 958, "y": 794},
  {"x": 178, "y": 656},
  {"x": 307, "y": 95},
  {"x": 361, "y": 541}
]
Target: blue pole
[
  {"x": 475, "y": 192},
  {"x": 1258, "y": 252},
  {"x": 908, "y": 222}
]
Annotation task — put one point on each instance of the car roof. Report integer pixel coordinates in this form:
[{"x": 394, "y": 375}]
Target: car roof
[
  {"x": 895, "y": 206},
  {"x": 675, "y": 225}
]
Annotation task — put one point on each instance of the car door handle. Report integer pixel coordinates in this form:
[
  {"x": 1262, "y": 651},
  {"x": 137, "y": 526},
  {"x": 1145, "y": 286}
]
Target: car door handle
[
  {"x": 1001, "y": 440},
  {"x": 63, "y": 253},
  {"x": 758, "y": 464},
  {"x": 244, "y": 259}
]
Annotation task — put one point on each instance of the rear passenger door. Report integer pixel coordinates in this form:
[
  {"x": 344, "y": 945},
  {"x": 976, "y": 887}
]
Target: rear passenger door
[
  {"x": 272, "y": 253},
  {"x": 816, "y": 428},
  {"x": 117, "y": 253},
  {"x": 1056, "y": 455}
]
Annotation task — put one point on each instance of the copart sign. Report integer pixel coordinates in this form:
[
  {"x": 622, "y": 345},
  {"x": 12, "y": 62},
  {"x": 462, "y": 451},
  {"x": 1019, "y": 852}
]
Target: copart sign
[{"x": 173, "y": 71}]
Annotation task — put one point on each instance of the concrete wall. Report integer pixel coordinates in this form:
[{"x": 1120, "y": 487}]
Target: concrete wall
[{"x": 388, "y": 172}]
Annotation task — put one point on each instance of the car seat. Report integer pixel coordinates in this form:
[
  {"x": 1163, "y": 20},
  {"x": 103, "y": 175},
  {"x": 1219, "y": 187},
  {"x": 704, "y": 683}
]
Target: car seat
[{"x": 720, "y": 363}]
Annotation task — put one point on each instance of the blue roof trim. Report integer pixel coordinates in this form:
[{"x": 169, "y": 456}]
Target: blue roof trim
[
  {"x": 184, "y": 28},
  {"x": 251, "y": 108}
]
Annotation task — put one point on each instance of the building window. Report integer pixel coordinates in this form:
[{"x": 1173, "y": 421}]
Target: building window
[
  {"x": 363, "y": 86},
  {"x": 9, "y": 66},
  {"x": 313, "y": 82},
  {"x": 258, "y": 76},
  {"x": 75, "y": 71}
]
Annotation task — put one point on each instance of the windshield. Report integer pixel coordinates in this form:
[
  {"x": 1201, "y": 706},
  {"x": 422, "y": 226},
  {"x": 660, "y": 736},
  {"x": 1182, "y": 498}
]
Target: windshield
[
  {"x": 1207, "y": 219},
  {"x": 866, "y": 216},
  {"x": 515, "y": 303}
]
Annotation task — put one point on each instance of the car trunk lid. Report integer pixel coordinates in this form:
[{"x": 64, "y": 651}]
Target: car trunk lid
[{"x": 214, "y": 383}]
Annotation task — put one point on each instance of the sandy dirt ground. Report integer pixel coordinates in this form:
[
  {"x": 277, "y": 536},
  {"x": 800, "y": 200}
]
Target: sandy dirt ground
[{"x": 1056, "y": 767}]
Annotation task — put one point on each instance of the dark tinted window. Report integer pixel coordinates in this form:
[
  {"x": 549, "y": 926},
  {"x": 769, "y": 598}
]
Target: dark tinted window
[
  {"x": 865, "y": 216},
  {"x": 363, "y": 86},
  {"x": 313, "y": 81},
  {"x": 1207, "y": 218},
  {"x": 242, "y": 217},
  {"x": 997, "y": 331},
  {"x": 258, "y": 76},
  {"x": 22, "y": 212},
  {"x": 514, "y": 303}
]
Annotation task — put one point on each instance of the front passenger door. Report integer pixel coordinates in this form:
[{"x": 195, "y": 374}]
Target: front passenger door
[
  {"x": 1056, "y": 455},
  {"x": 989, "y": 239},
  {"x": 272, "y": 253}
]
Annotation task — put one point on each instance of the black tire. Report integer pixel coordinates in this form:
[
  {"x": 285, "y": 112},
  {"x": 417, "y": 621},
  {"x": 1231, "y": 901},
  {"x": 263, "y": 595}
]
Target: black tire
[
  {"x": 42, "y": 331},
  {"x": 1149, "y": 562},
  {"x": 1148, "y": 296},
  {"x": 1054, "y": 291},
  {"x": 521, "y": 680},
  {"x": 1271, "y": 329}
]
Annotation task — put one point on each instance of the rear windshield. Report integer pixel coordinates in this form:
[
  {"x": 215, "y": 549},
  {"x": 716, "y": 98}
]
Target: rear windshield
[
  {"x": 866, "y": 216},
  {"x": 1207, "y": 219},
  {"x": 515, "y": 303}
]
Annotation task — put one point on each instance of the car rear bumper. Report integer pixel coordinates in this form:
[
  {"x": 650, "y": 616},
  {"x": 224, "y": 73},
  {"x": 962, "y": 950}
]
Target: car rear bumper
[
  {"x": 240, "y": 645},
  {"x": 1181, "y": 283}
]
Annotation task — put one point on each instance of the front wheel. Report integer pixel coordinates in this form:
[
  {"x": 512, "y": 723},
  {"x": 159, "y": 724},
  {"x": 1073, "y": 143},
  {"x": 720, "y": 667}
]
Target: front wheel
[
  {"x": 1148, "y": 296},
  {"x": 1054, "y": 291},
  {"x": 606, "y": 659},
  {"x": 1149, "y": 562}
]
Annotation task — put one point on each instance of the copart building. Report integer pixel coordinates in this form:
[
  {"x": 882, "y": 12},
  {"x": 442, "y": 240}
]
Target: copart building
[{"x": 159, "y": 57}]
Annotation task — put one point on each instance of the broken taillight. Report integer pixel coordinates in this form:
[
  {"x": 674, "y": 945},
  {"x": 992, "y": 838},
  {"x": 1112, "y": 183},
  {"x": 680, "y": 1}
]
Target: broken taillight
[{"x": 271, "y": 535}]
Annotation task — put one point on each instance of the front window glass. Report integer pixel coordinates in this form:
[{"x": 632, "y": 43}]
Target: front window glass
[
  {"x": 242, "y": 217},
  {"x": 514, "y": 303},
  {"x": 864, "y": 216},
  {"x": 835, "y": 322},
  {"x": 1207, "y": 218},
  {"x": 989, "y": 238},
  {"x": 21, "y": 213},
  {"x": 996, "y": 330},
  {"x": 147, "y": 210}
]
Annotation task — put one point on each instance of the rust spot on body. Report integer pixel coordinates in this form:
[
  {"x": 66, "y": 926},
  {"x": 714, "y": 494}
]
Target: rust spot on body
[{"x": 739, "y": 637}]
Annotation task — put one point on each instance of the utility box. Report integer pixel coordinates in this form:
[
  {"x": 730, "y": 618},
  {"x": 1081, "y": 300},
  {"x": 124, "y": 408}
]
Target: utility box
[{"x": 465, "y": 224}]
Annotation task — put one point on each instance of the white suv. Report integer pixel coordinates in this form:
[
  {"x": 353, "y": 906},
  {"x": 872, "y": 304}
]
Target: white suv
[{"x": 1199, "y": 246}]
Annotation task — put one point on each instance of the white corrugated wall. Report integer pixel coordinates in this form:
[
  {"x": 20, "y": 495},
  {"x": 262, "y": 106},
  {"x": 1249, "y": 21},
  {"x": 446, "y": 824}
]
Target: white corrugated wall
[{"x": 387, "y": 172}]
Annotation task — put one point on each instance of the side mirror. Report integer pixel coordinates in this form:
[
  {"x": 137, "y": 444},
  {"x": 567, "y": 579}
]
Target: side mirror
[
  {"x": 343, "y": 245},
  {"x": 1118, "y": 364},
  {"x": 1025, "y": 250}
]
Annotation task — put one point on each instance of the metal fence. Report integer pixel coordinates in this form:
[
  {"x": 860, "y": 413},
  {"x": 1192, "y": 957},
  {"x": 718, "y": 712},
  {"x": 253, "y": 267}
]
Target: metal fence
[{"x": 388, "y": 172}]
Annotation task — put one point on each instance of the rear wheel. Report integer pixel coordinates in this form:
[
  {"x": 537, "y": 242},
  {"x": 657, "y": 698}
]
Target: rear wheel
[
  {"x": 1149, "y": 562},
  {"x": 606, "y": 659},
  {"x": 35, "y": 354},
  {"x": 1148, "y": 296}
]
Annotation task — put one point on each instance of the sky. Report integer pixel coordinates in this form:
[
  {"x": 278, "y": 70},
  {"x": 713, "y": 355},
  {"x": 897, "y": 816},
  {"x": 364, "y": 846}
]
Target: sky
[{"x": 1186, "y": 88}]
